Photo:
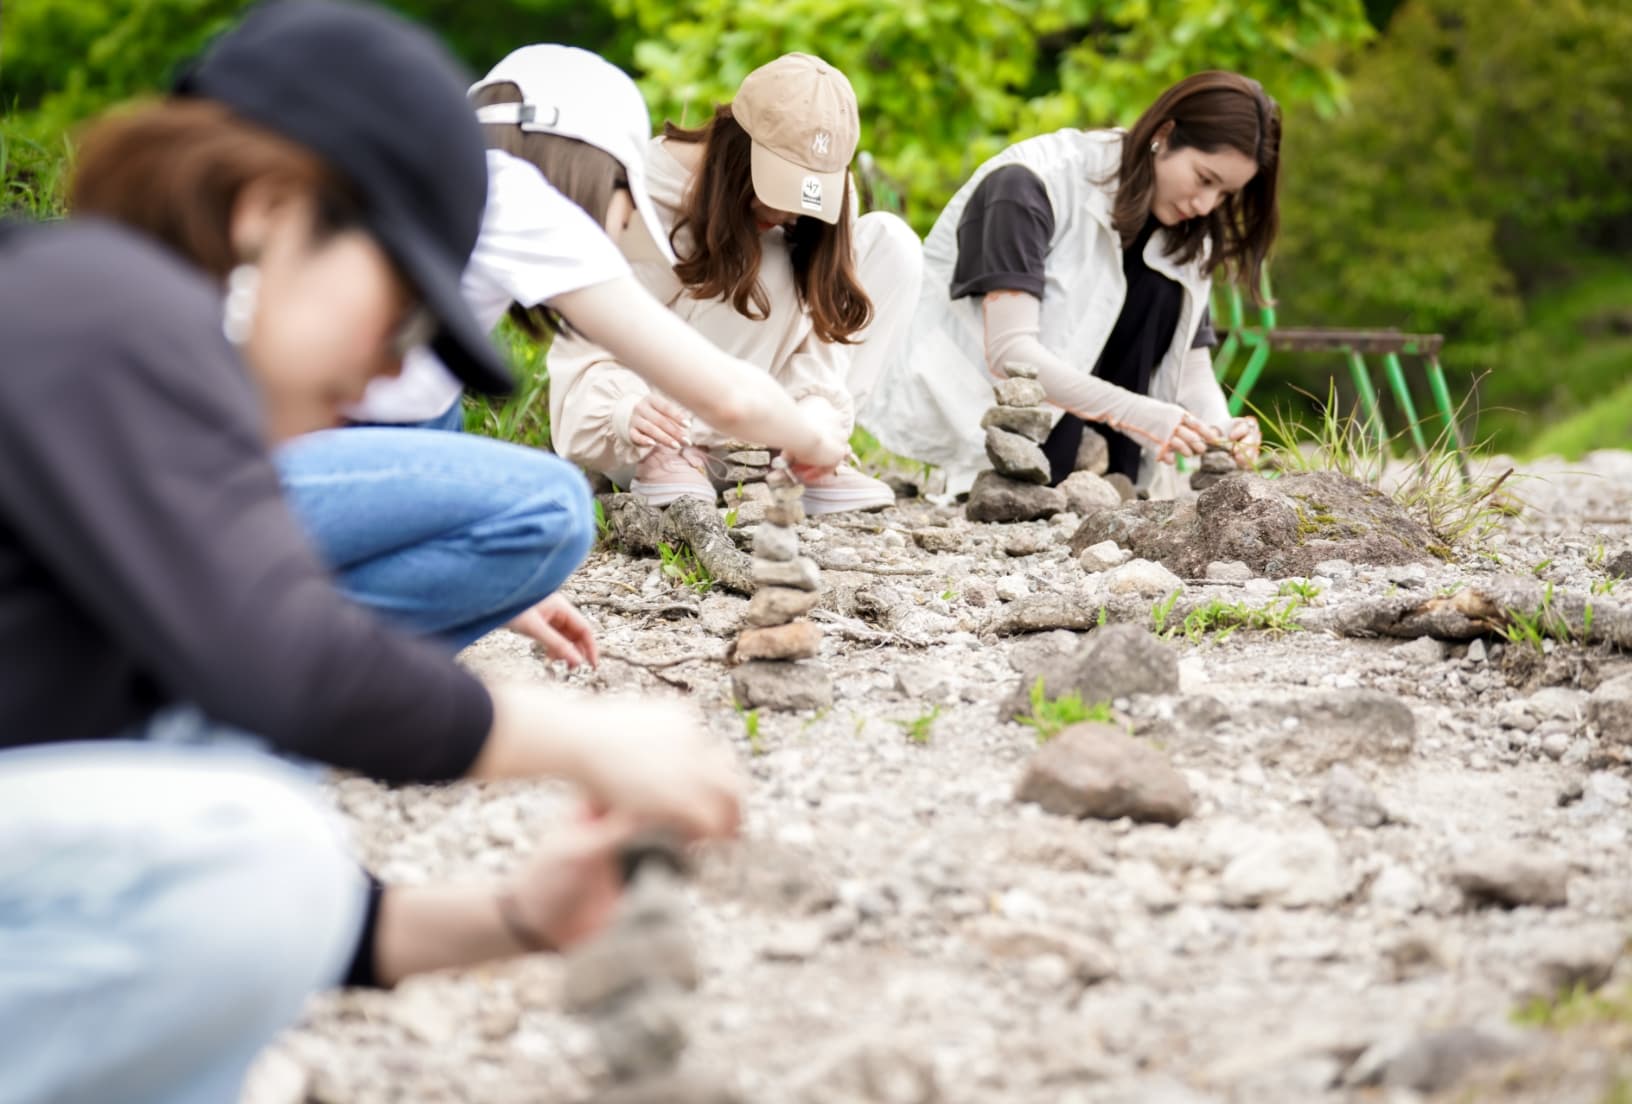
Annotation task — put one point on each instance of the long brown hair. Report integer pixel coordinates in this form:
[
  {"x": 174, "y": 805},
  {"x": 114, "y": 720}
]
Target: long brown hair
[
  {"x": 174, "y": 169},
  {"x": 721, "y": 260},
  {"x": 1209, "y": 111},
  {"x": 585, "y": 174}
]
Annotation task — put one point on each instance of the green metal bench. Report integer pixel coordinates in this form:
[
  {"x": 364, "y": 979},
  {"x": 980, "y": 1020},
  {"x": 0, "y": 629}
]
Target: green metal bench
[{"x": 1256, "y": 342}]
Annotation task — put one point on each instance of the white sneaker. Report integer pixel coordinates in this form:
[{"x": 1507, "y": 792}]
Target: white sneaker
[
  {"x": 664, "y": 475},
  {"x": 847, "y": 489}
]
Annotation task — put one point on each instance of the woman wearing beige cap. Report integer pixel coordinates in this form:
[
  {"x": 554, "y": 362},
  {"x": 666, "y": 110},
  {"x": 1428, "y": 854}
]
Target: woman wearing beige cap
[
  {"x": 1119, "y": 234},
  {"x": 774, "y": 267}
]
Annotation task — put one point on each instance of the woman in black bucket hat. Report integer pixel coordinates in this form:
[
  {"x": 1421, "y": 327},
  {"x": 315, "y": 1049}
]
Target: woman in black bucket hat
[{"x": 169, "y": 892}]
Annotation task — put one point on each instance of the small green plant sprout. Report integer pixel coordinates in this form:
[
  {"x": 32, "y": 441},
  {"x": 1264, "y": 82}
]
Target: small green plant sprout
[
  {"x": 918, "y": 729},
  {"x": 1104, "y": 615},
  {"x": 680, "y": 565},
  {"x": 1541, "y": 567},
  {"x": 1598, "y": 554},
  {"x": 1578, "y": 1006},
  {"x": 1050, "y": 716},
  {"x": 1544, "y": 623},
  {"x": 731, "y": 518},
  {"x": 949, "y": 595},
  {"x": 1305, "y": 589},
  {"x": 1220, "y": 619},
  {"x": 603, "y": 528},
  {"x": 1161, "y": 611},
  {"x": 1604, "y": 586},
  {"x": 750, "y": 728}
]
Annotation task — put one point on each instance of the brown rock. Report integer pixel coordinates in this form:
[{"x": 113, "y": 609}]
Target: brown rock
[
  {"x": 1511, "y": 875},
  {"x": 785, "y": 513},
  {"x": 1094, "y": 455},
  {"x": 796, "y": 640},
  {"x": 1088, "y": 493},
  {"x": 1124, "y": 486},
  {"x": 775, "y": 605},
  {"x": 1095, "y": 770}
]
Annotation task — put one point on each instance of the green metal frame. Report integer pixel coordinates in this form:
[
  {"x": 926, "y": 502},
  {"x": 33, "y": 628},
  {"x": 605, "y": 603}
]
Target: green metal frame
[{"x": 1255, "y": 341}]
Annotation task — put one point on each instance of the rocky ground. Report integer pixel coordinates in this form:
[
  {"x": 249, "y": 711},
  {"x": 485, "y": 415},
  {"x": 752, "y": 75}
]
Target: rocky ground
[{"x": 1383, "y": 848}]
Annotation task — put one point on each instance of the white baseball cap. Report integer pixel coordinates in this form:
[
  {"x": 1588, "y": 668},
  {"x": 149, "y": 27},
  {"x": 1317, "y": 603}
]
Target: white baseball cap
[{"x": 579, "y": 94}]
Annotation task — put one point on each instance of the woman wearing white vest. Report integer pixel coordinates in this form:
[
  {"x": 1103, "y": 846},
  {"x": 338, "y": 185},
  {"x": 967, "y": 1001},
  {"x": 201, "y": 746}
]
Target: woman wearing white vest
[
  {"x": 1085, "y": 258},
  {"x": 774, "y": 267}
]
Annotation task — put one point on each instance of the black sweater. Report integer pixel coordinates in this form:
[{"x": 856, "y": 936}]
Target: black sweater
[{"x": 146, "y": 553}]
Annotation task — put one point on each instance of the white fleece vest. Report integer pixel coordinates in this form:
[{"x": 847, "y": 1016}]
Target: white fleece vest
[{"x": 929, "y": 403}]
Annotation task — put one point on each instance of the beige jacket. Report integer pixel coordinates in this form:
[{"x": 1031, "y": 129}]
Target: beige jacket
[{"x": 592, "y": 396}]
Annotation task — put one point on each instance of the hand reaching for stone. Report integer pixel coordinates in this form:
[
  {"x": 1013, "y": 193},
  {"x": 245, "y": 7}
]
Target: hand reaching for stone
[
  {"x": 568, "y": 891},
  {"x": 1245, "y": 441},
  {"x": 657, "y": 422},
  {"x": 1190, "y": 438},
  {"x": 560, "y": 630}
]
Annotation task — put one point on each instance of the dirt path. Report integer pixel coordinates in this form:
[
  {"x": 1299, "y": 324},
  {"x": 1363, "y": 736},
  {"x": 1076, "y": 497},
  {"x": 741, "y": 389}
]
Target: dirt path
[{"x": 1274, "y": 945}]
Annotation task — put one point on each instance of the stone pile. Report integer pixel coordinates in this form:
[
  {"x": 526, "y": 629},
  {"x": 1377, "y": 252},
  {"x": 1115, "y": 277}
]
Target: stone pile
[
  {"x": 1016, "y": 488},
  {"x": 631, "y": 984},
  {"x": 1215, "y": 464},
  {"x": 774, "y": 649}
]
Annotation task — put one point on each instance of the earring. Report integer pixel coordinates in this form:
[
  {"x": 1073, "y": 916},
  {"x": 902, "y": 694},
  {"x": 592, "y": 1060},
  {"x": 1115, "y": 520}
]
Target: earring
[
  {"x": 1155, "y": 145},
  {"x": 238, "y": 309}
]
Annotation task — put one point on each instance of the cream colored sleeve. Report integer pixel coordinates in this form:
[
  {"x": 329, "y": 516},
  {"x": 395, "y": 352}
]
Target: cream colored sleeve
[
  {"x": 814, "y": 377},
  {"x": 642, "y": 338},
  {"x": 1199, "y": 392},
  {"x": 592, "y": 397},
  {"x": 1013, "y": 323}
]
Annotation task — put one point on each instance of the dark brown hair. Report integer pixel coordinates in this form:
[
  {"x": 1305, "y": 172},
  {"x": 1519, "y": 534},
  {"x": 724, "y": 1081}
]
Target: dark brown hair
[
  {"x": 722, "y": 258},
  {"x": 585, "y": 174},
  {"x": 1209, "y": 111},
  {"x": 174, "y": 169}
]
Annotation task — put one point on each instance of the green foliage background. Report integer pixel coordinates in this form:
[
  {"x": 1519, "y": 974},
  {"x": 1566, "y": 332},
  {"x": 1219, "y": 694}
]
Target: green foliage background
[{"x": 1451, "y": 165}]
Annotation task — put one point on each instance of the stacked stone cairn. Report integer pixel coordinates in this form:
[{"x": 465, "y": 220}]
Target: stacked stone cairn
[
  {"x": 774, "y": 649},
  {"x": 1215, "y": 464},
  {"x": 631, "y": 983},
  {"x": 1016, "y": 487}
]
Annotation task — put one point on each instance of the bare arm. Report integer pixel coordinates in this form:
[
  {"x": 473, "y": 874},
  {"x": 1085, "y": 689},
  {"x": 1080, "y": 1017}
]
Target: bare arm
[{"x": 731, "y": 395}]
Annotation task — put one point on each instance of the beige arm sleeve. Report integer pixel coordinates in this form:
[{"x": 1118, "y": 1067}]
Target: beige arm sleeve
[
  {"x": 1013, "y": 323},
  {"x": 647, "y": 340},
  {"x": 591, "y": 399}
]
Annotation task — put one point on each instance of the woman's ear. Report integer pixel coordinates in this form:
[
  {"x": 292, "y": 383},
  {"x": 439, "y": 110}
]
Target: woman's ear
[
  {"x": 260, "y": 207},
  {"x": 1163, "y": 133}
]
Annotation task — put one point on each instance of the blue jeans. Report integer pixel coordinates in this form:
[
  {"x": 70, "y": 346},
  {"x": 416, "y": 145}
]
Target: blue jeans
[
  {"x": 447, "y": 535},
  {"x": 164, "y": 912}
]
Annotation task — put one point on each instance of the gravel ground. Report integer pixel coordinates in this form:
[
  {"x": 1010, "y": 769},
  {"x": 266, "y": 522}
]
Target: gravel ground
[{"x": 1322, "y": 920}]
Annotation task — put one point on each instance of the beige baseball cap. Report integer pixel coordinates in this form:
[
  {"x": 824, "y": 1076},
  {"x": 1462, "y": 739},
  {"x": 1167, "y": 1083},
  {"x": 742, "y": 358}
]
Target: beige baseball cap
[{"x": 801, "y": 114}]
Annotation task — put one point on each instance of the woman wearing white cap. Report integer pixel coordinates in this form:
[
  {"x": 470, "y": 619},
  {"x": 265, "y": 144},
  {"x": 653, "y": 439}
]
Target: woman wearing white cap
[
  {"x": 774, "y": 267},
  {"x": 1085, "y": 259},
  {"x": 567, "y": 199}
]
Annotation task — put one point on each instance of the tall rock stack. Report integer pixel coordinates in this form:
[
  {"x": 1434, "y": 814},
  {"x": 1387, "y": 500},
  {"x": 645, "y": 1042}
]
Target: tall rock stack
[
  {"x": 1016, "y": 489},
  {"x": 632, "y": 984},
  {"x": 775, "y": 648}
]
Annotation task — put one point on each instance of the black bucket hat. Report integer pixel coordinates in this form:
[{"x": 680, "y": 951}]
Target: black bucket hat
[{"x": 382, "y": 102}]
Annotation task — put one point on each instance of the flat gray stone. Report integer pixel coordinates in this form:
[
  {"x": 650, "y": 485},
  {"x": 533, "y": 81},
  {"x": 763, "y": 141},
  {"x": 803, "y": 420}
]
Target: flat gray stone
[
  {"x": 1346, "y": 801},
  {"x": 1294, "y": 870},
  {"x": 1094, "y": 455},
  {"x": 1015, "y": 456},
  {"x": 1117, "y": 661},
  {"x": 1609, "y": 708},
  {"x": 1228, "y": 571},
  {"x": 1088, "y": 493},
  {"x": 782, "y": 687},
  {"x": 1031, "y": 422},
  {"x": 800, "y": 573},
  {"x": 778, "y": 543},
  {"x": 995, "y": 498},
  {"x": 1433, "y": 1062},
  {"x": 1020, "y": 392},
  {"x": 1511, "y": 875},
  {"x": 774, "y": 605}
]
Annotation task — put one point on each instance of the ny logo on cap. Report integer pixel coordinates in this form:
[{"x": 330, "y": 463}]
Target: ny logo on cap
[{"x": 819, "y": 145}]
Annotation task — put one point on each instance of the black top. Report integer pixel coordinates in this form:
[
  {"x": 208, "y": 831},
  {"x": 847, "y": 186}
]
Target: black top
[
  {"x": 146, "y": 553},
  {"x": 1003, "y": 240}
]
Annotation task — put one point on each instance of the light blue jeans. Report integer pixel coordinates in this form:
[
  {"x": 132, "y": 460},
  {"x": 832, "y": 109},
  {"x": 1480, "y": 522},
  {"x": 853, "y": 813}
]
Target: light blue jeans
[
  {"x": 164, "y": 912},
  {"x": 447, "y": 535}
]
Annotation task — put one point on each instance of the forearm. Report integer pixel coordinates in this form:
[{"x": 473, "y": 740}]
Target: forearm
[
  {"x": 439, "y": 927},
  {"x": 537, "y": 732},
  {"x": 1013, "y": 342}
]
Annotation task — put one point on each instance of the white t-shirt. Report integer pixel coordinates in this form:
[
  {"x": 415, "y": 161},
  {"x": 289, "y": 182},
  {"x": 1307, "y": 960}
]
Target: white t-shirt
[{"x": 535, "y": 244}]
